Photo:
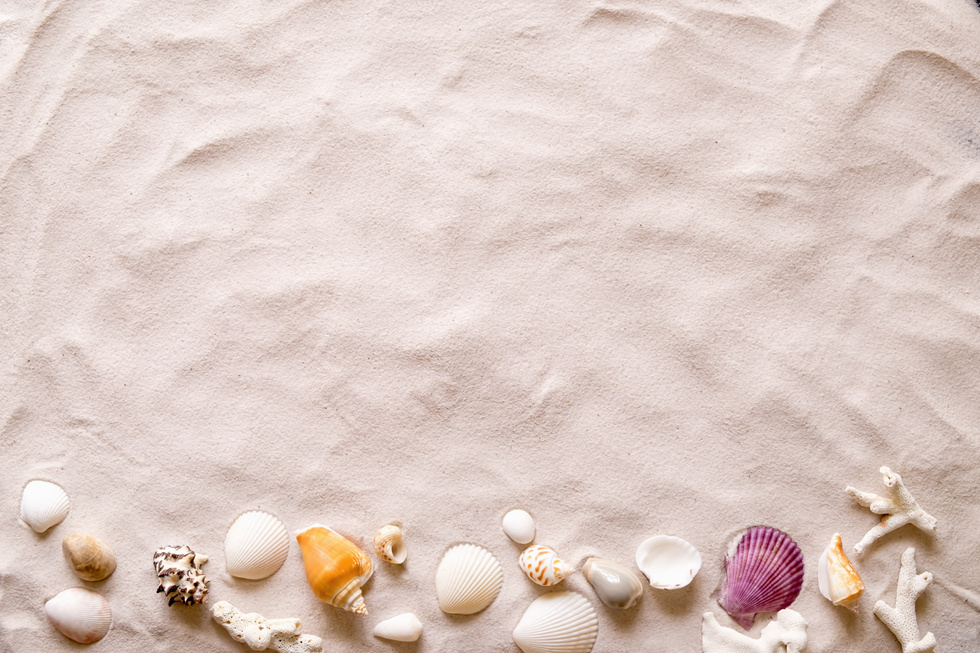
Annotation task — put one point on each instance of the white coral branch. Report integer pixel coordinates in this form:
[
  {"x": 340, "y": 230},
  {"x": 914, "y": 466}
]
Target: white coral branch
[
  {"x": 259, "y": 633},
  {"x": 787, "y": 634},
  {"x": 898, "y": 509},
  {"x": 901, "y": 619}
]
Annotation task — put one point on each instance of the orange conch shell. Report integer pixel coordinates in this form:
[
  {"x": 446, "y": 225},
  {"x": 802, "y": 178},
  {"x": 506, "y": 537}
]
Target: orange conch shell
[
  {"x": 837, "y": 578},
  {"x": 335, "y": 568}
]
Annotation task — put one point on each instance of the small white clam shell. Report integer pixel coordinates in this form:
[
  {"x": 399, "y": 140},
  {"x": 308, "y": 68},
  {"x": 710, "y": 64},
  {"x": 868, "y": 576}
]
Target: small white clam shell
[
  {"x": 256, "y": 546},
  {"x": 403, "y": 628},
  {"x": 468, "y": 579},
  {"x": 668, "y": 562},
  {"x": 80, "y": 615},
  {"x": 389, "y": 545},
  {"x": 43, "y": 505},
  {"x": 519, "y": 526},
  {"x": 542, "y": 565},
  {"x": 615, "y": 585},
  {"x": 558, "y": 622}
]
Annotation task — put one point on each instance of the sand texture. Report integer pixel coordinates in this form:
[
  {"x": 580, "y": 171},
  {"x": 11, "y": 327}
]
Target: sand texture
[{"x": 636, "y": 266}]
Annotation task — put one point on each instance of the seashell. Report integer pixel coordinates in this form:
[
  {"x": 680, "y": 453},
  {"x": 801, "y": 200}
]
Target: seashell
[
  {"x": 615, "y": 585},
  {"x": 389, "y": 545},
  {"x": 763, "y": 573},
  {"x": 336, "y": 568},
  {"x": 468, "y": 579},
  {"x": 403, "y": 628},
  {"x": 43, "y": 505},
  {"x": 557, "y": 622},
  {"x": 80, "y": 615},
  {"x": 89, "y": 556},
  {"x": 256, "y": 546},
  {"x": 519, "y": 526},
  {"x": 839, "y": 582},
  {"x": 668, "y": 562},
  {"x": 543, "y": 566},
  {"x": 181, "y": 578}
]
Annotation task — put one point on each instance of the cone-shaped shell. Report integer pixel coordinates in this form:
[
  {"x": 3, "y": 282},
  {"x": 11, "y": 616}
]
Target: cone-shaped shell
[
  {"x": 668, "y": 562},
  {"x": 763, "y": 573},
  {"x": 558, "y": 622},
  {"x": 336, "y": 568},
  {"x": 839, "y": 582},
  {"x": 403, "y": 628},
  {"x": 43, "y": 505},
  {"x": 615, "y": 585},
  {"x": 256, "y": 546},
  {"x": 80, "y": 615},
  {"x": 468, "y": 579},
  {"x": 88, "y": 556},
  {"x": 390, "y": 546},
  {"x": 543, "y": 566}
]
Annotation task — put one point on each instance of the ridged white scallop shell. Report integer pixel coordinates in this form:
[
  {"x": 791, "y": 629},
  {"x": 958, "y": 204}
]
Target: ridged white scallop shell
[
  {"x": 668, "y": 562},
  {"x": 256, "y": 546},
  {"x": 43, "y": 505},
  {"x": 80, "y": 615},
  {"x": 519, "y": 526},
  {"x": 468, "y": 579},
  {"x": 403, "y": 628},
  {"x": 558, "y": 622}
]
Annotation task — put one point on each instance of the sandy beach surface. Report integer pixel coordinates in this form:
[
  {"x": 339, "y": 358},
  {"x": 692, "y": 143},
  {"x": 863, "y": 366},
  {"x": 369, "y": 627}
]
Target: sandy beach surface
[{"x": 637, "y": 266}]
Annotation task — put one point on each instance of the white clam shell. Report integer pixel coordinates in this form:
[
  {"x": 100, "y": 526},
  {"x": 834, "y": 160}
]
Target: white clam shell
[
  {"x": 519, "y": 526},
  {"x": 403, "y": 628},
  {"x": 615, "y": 585},
  {"x": 468, "y": 579},
  {"x": 256, "y": 546},
  {"x": 43, "y": 505},
  {"x": 668, "y": 562},
  {"x": 542, "y": 565},
  {"x": 80, "y": 615},
  {"x": 558, "y": 622}
]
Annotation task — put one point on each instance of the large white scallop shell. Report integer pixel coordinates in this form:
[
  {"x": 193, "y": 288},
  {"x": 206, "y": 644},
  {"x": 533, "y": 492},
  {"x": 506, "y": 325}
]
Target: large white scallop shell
[
  {"x": 43, "y": 505},
  {"x": 558, "y": 622},
  {"x": 80, "y": 614},
  {"x": 668, "y": 562},
  {"x": 256, "y": 546},
  {"x": 468, "y": 579}
]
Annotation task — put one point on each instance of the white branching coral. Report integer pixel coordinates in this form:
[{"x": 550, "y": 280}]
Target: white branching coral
[
  {"x": 898, "y": 509},
  {"x": 786, "y": 634},
  {"x": 259, "y": 633},
  {"x": 901, "y": 619},
  {"x": 181, "y": 578}
]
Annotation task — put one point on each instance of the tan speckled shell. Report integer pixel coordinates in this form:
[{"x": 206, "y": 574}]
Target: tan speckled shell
[{"x": 88, "y": 556}]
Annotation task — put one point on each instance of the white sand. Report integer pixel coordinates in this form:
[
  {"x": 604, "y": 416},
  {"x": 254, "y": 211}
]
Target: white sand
[{"x": 679, "y": 267}]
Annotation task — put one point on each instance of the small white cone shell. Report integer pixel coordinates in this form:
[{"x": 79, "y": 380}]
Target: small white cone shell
[
  {"x": 468, "y": 579},
  {"x": 403, "y": 628},
  {"x": 80, "y": 615},
  {"x": 43, "y": 505},
  {"x": 519, "y": 526},
  {"x": 256, "y": 546},
  {"x": 668, "y": 562},
  {"x": 558, "y": 622}
]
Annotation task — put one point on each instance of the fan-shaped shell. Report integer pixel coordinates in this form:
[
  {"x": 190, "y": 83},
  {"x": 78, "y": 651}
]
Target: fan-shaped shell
[
  {"x": 519, "y": 526},
  {"x": 256, "y": 546},
  {"x": 43, "y": 505},
  {"x": 468, "y": 579},
  {"x": 389, "y": 545},
  {"x": 336, "y": 568},
  {"x": 89, "y": 556},
  {"x": 763, "y": 573},
  {"x": 543, "y": 566},
  {"x": 668, "y": 562},
  {"x": 615, "y": 585},
  {"x": 837, "y": 578},
  {"x": 558, "y": 622},
  {"x": 80, "y": 615}
]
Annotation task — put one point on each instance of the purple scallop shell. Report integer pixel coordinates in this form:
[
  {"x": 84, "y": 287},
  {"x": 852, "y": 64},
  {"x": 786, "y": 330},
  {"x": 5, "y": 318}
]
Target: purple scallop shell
[{"x": 763, "y": 573}]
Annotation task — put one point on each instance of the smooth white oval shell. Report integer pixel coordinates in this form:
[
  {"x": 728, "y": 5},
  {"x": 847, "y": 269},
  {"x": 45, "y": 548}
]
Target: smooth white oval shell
[
  {"x": 43, "y": 505},
  {"x": 403, "y": 628},
  {"x": 468, "y": 579},
  {"x": 558, "y": 622},
  {"x": 256, "y": 546},
  {"x": 389, "y": 545},
  {"x": 519, "y": 526},
  {"x": 80, "y": 615},
  {"x": 668, "y": 562},
  {"x": 615, "y": 585}
]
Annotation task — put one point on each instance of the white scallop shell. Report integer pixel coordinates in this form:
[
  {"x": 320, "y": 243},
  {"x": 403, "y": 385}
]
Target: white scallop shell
[
  {"x": 80, "y": 614},
  {"x": 668, "y": 562},
  {"x": 256, "y": 546},
  {"x": 519, "y": 526},
  {"x": 558, "y": 622},
  {"x": 468, "y": 579},
  {"x": 542, "y": 565},
  {"x": 43, "y": 505},
  {"x": 403, "y": 628}
]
